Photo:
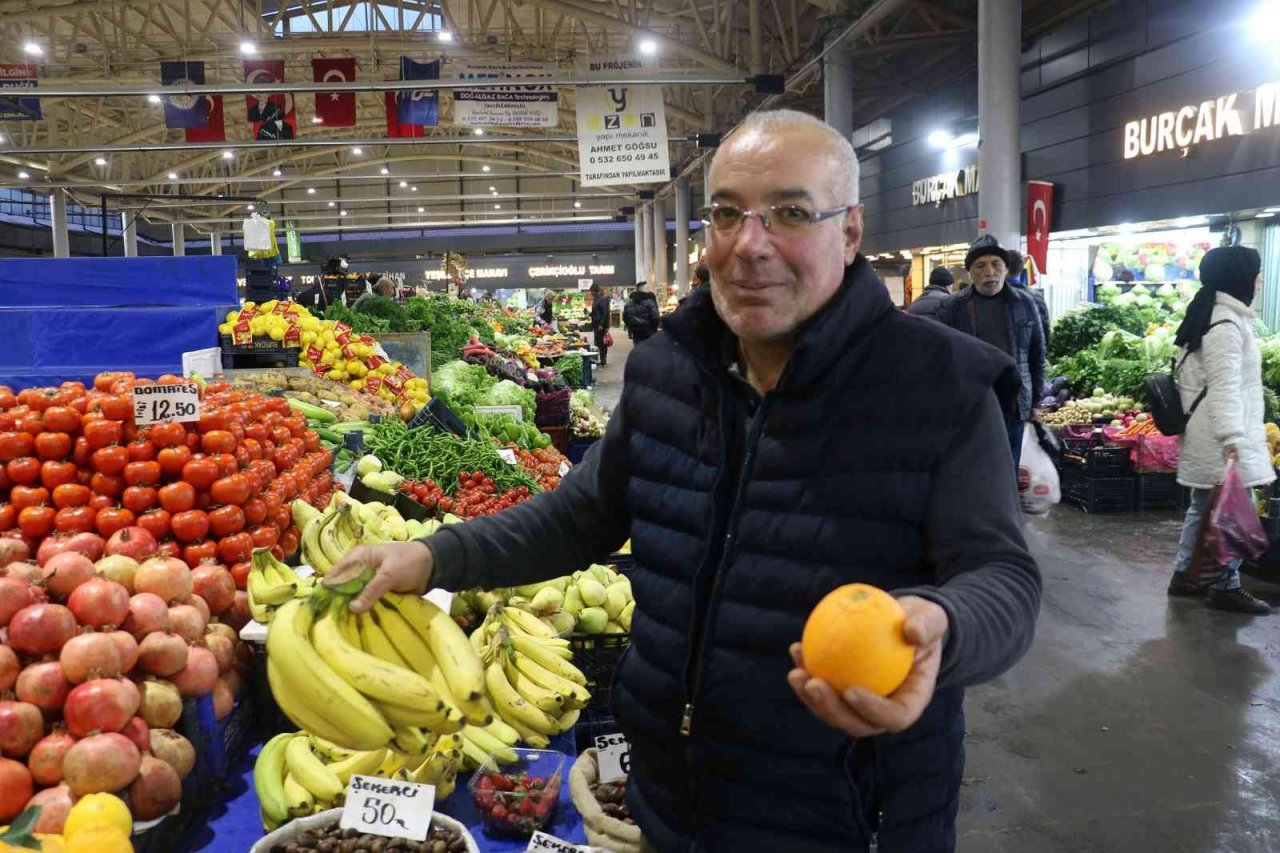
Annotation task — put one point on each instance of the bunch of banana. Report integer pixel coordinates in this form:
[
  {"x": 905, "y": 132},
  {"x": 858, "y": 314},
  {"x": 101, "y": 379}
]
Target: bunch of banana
[
  {"x": 271, "y": 583},
  {"x": 298, "y": 774},
  {"x": 595, "y": 601},
  {"x": 347, "y": 522}
]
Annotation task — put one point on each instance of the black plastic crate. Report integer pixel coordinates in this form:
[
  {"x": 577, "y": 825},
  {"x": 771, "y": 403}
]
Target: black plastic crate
[
  {"x": 596, "y": 655},
  {"x": 1161, "y": 491},
  {"x": 254, "y": 360},
  {"x": 1098, "y": 494},
  {"x": 1107, "y": 462}
]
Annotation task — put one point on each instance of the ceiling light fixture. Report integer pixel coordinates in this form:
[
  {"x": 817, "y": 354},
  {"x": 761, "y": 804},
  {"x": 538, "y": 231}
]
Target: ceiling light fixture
[
  {"x": 649, "y": 47},
  {"x": 311, "y": 190},
  {"x": 1265, "y": 215},
  {"x": 100, "y": 161},
  {"x": 493, "y": 189},
  {"x": 413, "y": 189},
  {"x": 479, "y": 131},
  {"x": 173, "y": 176},
  {"x": 317, "y": 120},
  {"x": 32, "y": 49},
  {"x": 333, "y": 204},
  {"x": 444, "y": 36},
  {"x": 497, "y": 207},
  {"x": 342, "y": 213},
  {"x": 577, "y": 204},
  {"x": 940, "y": 139},
  {"x": 384, "y": 171},
  {"x": 153, "y": 99},
  {"x": 227, "y": 155},
  {"x": 356, "y": 149},
  {"x": 248, "y": 48},
  {"x": 484, "y": 168},
  {"x": 421, "y": 209},
  {"x": 275, "y": 173},
  {"x": 24, "y": 174}
]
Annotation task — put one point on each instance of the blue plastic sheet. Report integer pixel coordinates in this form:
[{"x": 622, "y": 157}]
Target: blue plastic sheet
[{"x": 107, "y": 282}]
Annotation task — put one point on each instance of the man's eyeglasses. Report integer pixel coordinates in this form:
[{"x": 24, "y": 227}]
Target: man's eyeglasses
[{"x": 785, "y": 219}]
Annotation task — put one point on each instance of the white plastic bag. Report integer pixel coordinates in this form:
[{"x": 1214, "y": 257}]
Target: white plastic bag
[{"x": 1038, "y": 486}]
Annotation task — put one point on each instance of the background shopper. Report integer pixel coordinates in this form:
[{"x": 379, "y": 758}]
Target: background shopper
[
  {"x": 938, "y": 292},
  {"x": 601, "y": 309},
  {"x": 641, "y": 315}
]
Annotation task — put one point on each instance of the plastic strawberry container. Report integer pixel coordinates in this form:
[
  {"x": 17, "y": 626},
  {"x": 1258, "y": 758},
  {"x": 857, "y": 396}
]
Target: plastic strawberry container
[{"x": 516, "y": 800}]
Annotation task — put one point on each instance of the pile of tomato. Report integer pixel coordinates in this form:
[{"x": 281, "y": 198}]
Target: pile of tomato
[
  {"x": 544, "y": 464},
  {"x": 74, "y": 461},
  {"x": 475, "y": 495}
]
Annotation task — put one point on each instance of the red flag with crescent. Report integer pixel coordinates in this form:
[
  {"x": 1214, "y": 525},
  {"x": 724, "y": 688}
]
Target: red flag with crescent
[
  {"x": 335, "y": 109},
  {"x": 1039, "y": 223},
  {"x": 395, "y": 129},
  {"x": 214, "y": 130},
  {"x": 272, "y": 115}
]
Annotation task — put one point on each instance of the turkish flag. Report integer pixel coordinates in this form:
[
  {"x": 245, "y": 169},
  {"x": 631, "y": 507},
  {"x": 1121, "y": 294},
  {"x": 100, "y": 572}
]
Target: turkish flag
[
  {"x": 396, "y": 130},
  {"x": 273, "y": 116},
  {"x": 1039, "y": 224},
  {"x": 214, "y": 129},
  {"x": 335, "y": 109}
]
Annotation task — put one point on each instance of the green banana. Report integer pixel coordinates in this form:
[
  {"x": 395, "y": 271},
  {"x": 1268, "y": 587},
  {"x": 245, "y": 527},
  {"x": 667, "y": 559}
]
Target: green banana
[{"x": 309, "y": 771}]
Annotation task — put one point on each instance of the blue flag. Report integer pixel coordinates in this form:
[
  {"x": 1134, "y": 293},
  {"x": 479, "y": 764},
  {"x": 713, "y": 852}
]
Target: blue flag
[
  {"x": 182, "y": 110},
  {"x": 421, "y": 106}
]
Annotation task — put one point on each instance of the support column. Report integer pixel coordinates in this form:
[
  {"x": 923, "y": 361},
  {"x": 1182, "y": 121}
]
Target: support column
[
  {"x": 999, "y": 154},
  {"x": 215, "y": 243},
  {"x": 755, "y": 34},
  {"x": 662, "y": 272},
  {"x": 129, "y": 222},
  {"x": 58, "y": 215},
  {"x": 647, "y": 269},
  {"x": 639, "y": 244},
  {"x": 837, "y": 89},
  {"x": 682, "y": 235},
  {"x": 706, "y": 180},
  {"x": 179, "y": 239}
]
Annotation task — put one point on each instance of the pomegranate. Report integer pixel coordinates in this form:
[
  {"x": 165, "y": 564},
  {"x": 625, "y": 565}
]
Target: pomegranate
[
  {"x": 9, "y": 667},
  {"x": 43, "y": 685},
  {"x": 15, "y": 594},
  {"x": 88, "y": 544},
  {"x": 139, "y": 732},
  {"x": 222, "y": 629},
  {"x": 15, "y": 789},
  {"x": 187, "y": 622},
  {"x": 156, "y": 791},
  {"x": 215, "y": 585},
  {"x": 100, "y": 603},
  {"x": 234, "y": 680},
  {"x": 55, "y": 804},
  {"x": 128, "y": 648},
  {"x": 101, "y": 705},
  {"x": 13, "y": 551},
  {"x": 165, "y": 576},
  {"x": 70, "y": 569},
  {"x": 27, "y": 571},
  {"x": 21, "y": 725},
  {"x": 224, "y": 650},
  {"x": 200, "y": 674},
  {"x": 118, "y": 568},
  {"x": 237, "y": 615},
  {"x": 41, "y": 629},
  {"x": 224, "y": 700},
  {"x": 200, "y": 604},
  {"x": 135, "y": 542},
  {"x": 161, "y": 704},
  {"x": 102, "y": 763},
  {"x": 147, "y": 614},
  {"x": 45, "y": 760},
  {"x": 173, "y": 749},
  {"x": 89, "y": 656},
  {"x": 162, "y": 654}
]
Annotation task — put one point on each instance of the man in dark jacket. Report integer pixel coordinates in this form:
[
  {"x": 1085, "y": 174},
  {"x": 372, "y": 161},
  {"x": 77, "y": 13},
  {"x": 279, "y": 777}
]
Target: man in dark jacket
[
  {"x": 938, "y": 292},
  {"x": 1007, "y": 318},
  {"x": 641, "y": 315},
  {"x": 790, "y": 431},
  {"x": 600, "y": 311},
  {"x": 1017, "y": 278},
  {"x": 546, "y": 315}
]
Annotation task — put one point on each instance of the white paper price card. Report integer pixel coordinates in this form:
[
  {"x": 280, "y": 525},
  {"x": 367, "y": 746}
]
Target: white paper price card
[
  {"x": 387, "y": 808},
  {"x": 540, "y": 842},
  {"x": 160, "y": 404},
  {"x": 508, "y": 454},
  {"x": 613, "y": 754},
  {"x": 564, "y": 469}
]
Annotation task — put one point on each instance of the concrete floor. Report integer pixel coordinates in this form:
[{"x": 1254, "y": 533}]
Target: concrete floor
[{"x": 1136, "y": 723}]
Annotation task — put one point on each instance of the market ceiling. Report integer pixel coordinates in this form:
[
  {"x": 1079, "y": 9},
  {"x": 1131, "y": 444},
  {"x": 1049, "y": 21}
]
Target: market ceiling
[{"x": 708, "y": 51}]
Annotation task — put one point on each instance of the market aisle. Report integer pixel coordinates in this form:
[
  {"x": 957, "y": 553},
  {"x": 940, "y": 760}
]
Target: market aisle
[
  {"x": 608, "y": 387},
  {"x": 1135, "y": 723}
]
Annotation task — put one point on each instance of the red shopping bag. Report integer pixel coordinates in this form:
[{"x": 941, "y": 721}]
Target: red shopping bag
[{"x": 1235, "y": 516}]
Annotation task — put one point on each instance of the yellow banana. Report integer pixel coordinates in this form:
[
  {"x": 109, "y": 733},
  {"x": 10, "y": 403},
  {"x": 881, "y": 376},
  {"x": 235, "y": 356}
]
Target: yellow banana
[
  {"x": 301, "y": 802},
  {"x": 359, "y": 764},
  {"x": 456, "y": 659},
  {"x": 309, "y": 771},
  {"x": 537, "y": 740},
  {"x": 375, "y": 641},
  {"x": 411, "y": 647},
  {"x": 331, "y": 544},
  {"x": 503, "y": 732},
  {"x": 303, "y": 514},
  {"x": 330, "y": 751},
  {"x": 392, "y": 762},
  {"x": 489, "y": 745},
  {"x": 411, "y": 741},
  {"x": 433, "y": 719},
  {"x": 514, "y": 707},
  {"x": 545, "y": 700},
  {"x": 268, "y": 779},
  {"x": 312, "y": 553},
  {"x": 301, "y": 714},
  {"x": 527, "y": 623},
  {"x": 575, "y": 695},
  {"x": 260, "y": 613},
  {"x": 264, "y": 592},
  {"x": 543, "y": 656},
  {"x": 445, "y": 786},
  {"x": 569, "y": 720},
  {"x": 435, "y": 766}
]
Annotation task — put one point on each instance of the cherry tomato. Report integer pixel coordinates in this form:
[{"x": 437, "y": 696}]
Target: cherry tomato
[
  {"x": 218, "y": 441},
  {"x": 200, "y": 473},
  {"x": 142, "y": 473},
  {"x": 62, "y": 419},
  {"x": 109, "y": 520},
  {"x": 170, "y": 548},
  {"x": 24, "y": 471},
  {"x": 197, "y": 553},
  {"x": 178, "y": 497},
  {"x": 231, "y": 490},
  {"x": 190, "y": 526},
  {"x": 54, "y": 474},
  {"x": 75, "y": 519},
  {"x": 139, "y": 499},
  {"x": 168, "y": 435},
  {"x": 110, "y": 460},
  {"x": 53, "y": 445},
  {"x": 240, "y": 574},
  {"x": 107, "y": 484},
  {"x": 116, "y": 407},
  {"x": 37, "y": 521},
  {"x": 226, "y": 520}
]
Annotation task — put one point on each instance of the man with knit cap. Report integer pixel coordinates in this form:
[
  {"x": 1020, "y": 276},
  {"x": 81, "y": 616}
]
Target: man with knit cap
[
  {"x": 1007, "y": 319},
  {"x": 937, "y": 293}
]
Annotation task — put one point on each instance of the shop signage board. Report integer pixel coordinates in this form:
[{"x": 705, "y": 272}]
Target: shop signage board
[
  {"x": 514, "y": 106},
  {"x": 622, "y": 135},
  {"x": 18, "y": 76},
  {"x": 1233, "y": 114},
  {"x": 937, "y": 189},
  {"x": 388, "y": 808}
]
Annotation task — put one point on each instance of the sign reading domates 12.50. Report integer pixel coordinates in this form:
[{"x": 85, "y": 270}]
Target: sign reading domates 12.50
[
  {"x": 939, "y": 188},
  {"x": 1194, "y": 124}
]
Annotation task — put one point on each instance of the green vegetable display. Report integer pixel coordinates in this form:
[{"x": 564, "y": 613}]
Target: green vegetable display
[
  {"x": 423, "y": 453},
  {"x": 1081, "y": 330},
  {"x": 508, "y": 393},
  {"x": 570, "y": 367}
]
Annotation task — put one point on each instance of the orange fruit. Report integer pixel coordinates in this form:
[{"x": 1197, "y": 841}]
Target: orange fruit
[{"x": 853, "y": 638}]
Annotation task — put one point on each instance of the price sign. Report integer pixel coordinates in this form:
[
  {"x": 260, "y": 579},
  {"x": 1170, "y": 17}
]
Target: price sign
[
  {"x": 613, "y": 754},
  {"x": 540, "y": 842},
  {"x": 391, "y": 809},
  {"x": 508, "y": 454},
  {"x": 584, "y": 283},
  {"x": 441, "y": 598},
  {"x": 161, "y": 404},
  {"x": 564, "y": 469}
]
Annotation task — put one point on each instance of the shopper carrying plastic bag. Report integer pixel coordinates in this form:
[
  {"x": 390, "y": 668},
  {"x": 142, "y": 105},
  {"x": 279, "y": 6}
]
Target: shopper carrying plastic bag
[{"x": 1038, "y": 486}]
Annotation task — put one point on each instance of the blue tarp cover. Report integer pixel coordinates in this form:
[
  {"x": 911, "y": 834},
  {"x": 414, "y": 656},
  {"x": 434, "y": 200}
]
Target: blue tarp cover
[{"x": 106, "y": 282}]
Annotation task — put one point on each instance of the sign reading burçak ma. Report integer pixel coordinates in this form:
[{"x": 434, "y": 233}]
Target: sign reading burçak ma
[
  {"x": 1234, "y": 114},
  {"x": 938, "y": 188}
]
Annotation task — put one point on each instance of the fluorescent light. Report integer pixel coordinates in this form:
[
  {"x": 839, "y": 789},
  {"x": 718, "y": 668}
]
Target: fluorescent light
[
  {"x": 248, "y": 48},
  {"x": 1273, "y": 210},
  {"x": 940, "y": 139},
  {"x": 250, "y": 206},
  {"x": 479, "y": 131},
  {"x": 384, "y": 171},
  {"x": 444, "y": 36},
  {"x": 965, "y": 139},
  {"x": 497, "y": 207},
  {"x": 493, "y": 189},
  {"x": 577, "y": 204},
  {"x": 421, "y": 209},
  {"x": 311, "y": 190},
  {"x": 356, "y": 149},
  {"x": 275, "y": 173},
  {"x": 24, "y": 174},
  {"x": 1189, "y": 221},
  {"x": 413, "y": 189},
  {"x": 227, "y": 155},
  {"x": 100, "y": 161},
  {"x": 404, "y": 184},
  {"x": 648, "y": 47},
  {"x": 32, "y": 49},
  {"x": 342, "y": 213},
  {"x": 1, "y": 137},
  {"x": 153, "y": 99},
  {"x": 1265, "y": 215},
  {"x": 173, "y": 176},
  {"x": 484, "y": 168},
  {"x": 332, "y": 203},
  {"x": 317, "y": 120}
]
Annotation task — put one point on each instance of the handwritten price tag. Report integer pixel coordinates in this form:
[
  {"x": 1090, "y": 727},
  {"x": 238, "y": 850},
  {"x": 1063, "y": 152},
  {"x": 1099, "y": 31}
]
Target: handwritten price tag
[
  {"x": 540, "y": 842},
  {"x": 508, "y": 454},
  {"x": 161, "y": 404},
  {"x": 613, "y": 754},
  {"x": 391, "y": 809},
  {"x": 564, "y": 469}
]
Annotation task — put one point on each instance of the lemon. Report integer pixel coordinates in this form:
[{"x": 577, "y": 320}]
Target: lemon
[
  {"x": 99, "y": 838},
  {"x": 98, "y": 809},
  {"x": 270, "y": 305},
  {"x": 249, "y": 306},
  {"x": 275, "y": 333},
  {"x": 232, "y": 316}
]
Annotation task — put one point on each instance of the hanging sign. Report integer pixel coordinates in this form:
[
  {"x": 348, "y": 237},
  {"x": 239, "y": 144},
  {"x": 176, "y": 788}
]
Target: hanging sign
[
  {"x": 584, "y": 283},
  {"x": 615, "y": 66},
  {"x": 293, "y": 243},
  {"x": 506, "y": 106},
  {"x": 161, "y": 404},
  {"x": 18, "y": 76},
  {"x": 390, "y": 809},
  {"x": 1039, "y": 223},
  {"x": 622, "y": 135}
]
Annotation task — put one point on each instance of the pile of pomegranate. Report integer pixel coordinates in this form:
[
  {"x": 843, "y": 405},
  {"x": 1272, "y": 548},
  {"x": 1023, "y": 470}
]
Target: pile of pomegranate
[{"x": 100, "y": 641}]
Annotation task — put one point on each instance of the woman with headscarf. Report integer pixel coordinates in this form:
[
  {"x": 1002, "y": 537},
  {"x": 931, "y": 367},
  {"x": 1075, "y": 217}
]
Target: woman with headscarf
[{"x": 1223, "y": 369}]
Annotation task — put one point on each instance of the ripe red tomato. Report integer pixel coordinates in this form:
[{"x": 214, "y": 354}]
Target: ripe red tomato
[
  {"x": 170, "y": 548},
  {"x": 24, "y": 471},
  {"x": 283, "y": 517},
  {"x": 116, "y": 407},
  {"x": 62, "y": 419},
  {"x": 139, "y": 499},
  {"x": 178, "y": 497},
  {"x": 110, "y": 460},
  {"x": 99, "y": 502},
  {"x": 141, "y": 450},
  {"x": 156, "y": 522},
  {"x": 75, "y": 519},
  {"x": 24, "y": 496},
  {"x": 235, "y": 548},
  {"x": 112, "y": 519},
  {"x": 71, "y": 495},
  {"x": 200, "y": 552},
  {"x": 102, "y": 433},
  {"x": 289, "y": 542},
  {"x": 213, "y": 420},
  {"x": 54, "y": 474},
  {"x": 254, "y": 511},
  {"x": 15, "y": 445},
  {"x": 265, "y": 535},
  {"x": 142, "y": 473},
  {"x": 81, "y": 454},
  {"x": 193, "y": 441},
  {"x": 172, "y": 459},
  {"x": 200, "y": 473},
  {"x": 227, "y": 464},
  {"x": 8, "y": 516},
  {"x": 107, "y": 484},
  {"x": 218, "y": 441},
  {"x": 168, "y": 435},
  {"x": 240, "y": 574},
  {"x": 53, "y": 445},
  {"x": 231, "y": 490},
  {"x": 226, "y": 520},
  {"x": 37, "y": 521},
  {"x": 191, "y": 525},
  {"x": 258, "y": 432}
]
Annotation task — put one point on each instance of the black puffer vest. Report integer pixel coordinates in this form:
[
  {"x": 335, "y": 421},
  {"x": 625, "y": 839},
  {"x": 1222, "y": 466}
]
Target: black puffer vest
[{"x": 742, "y": 521}]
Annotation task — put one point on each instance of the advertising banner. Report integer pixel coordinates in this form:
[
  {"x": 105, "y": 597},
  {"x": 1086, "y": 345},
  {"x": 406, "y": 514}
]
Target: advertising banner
[
  {"x": 622, "y": 135},
  {"x": 14, "y": 107},
  {"x": 514, "y": 106}
]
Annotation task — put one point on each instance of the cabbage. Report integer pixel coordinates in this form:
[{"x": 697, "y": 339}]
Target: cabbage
[{"x": 508, "y": 393}]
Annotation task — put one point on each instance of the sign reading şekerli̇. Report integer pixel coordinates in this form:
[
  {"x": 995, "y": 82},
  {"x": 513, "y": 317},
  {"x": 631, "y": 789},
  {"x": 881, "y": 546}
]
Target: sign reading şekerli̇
[
  {"x": 160, "y": 404},
  {"x": 1235, "y": 114},
  {"x": 622, "y": 135},
  {"x": 388, "y": 808},
  {"x": 506, "y": 106}
]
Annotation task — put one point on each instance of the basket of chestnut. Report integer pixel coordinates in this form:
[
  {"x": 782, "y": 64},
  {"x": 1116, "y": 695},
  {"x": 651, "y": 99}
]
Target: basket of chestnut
[
  {"x": 320, "y": 833},
  {"x": 605, "y": 816}
]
